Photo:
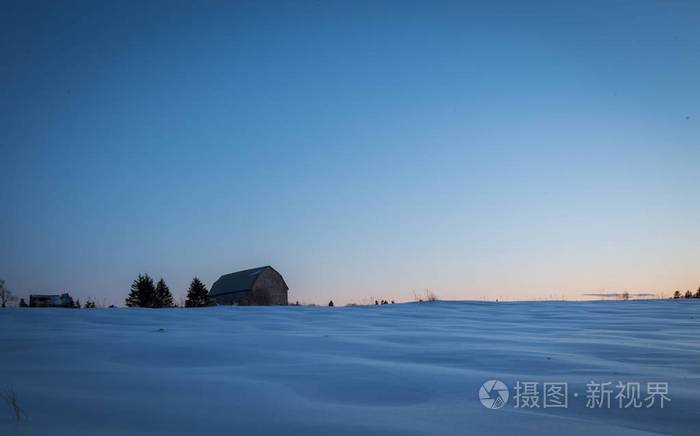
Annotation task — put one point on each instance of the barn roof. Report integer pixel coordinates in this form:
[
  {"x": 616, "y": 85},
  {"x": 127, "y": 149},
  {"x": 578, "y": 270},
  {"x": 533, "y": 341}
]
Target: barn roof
[{"x": 237, "y": 281}]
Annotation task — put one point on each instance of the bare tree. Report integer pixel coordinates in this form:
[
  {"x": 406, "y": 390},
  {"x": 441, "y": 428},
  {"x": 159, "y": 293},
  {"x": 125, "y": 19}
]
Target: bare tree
[{"x": 5, "y": 295}]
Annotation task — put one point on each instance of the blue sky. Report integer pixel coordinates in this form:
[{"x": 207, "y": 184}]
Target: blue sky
[{"x": 364, "y": 149}]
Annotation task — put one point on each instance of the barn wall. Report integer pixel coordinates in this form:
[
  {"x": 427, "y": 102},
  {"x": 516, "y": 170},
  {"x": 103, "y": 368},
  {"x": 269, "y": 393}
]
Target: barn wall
[
  {"x": 241, "y": 298},
  {"x": 270, "y": 289}
]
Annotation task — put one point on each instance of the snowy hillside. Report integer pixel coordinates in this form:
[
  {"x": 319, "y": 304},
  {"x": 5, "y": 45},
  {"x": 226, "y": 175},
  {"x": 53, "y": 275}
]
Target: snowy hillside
[{"x": 409, "y": 369}]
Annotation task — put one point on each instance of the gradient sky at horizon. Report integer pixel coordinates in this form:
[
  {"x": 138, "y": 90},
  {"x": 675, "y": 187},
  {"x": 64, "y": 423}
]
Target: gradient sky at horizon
[{"x": 366, "y": 150}]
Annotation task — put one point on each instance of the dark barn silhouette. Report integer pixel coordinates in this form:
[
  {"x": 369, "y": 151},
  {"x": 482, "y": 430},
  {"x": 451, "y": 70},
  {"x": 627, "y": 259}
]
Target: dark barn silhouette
[{"x": 262, "y": 286}]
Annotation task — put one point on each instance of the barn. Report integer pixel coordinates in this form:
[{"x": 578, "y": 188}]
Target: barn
[{"x": 262, "y": 286}]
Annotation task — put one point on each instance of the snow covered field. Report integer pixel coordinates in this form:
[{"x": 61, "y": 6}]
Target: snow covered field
[{"x": 410, "y": 369}]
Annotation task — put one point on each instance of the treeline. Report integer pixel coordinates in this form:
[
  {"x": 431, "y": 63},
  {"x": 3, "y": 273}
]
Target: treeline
[
  {"x": 688, "y": 294},
  {"x": 144, "y": 293}
]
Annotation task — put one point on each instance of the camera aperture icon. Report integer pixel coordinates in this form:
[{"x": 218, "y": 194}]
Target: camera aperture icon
[{"x": 493, "y": 394}]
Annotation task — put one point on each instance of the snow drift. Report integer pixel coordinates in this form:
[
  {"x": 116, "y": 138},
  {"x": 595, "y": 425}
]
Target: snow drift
[{"x": 410, "y": 369}]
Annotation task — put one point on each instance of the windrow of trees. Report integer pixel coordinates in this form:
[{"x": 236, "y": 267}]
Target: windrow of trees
[
  {"x": 144, "y": 293},
  {"x": 688, "y": 294}
]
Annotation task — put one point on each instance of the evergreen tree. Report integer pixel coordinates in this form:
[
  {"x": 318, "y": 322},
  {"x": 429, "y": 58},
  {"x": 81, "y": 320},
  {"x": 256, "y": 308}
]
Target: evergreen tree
[
  {"x": 197, "y": 295},
  {"x": 697, "y": 293},
  {"x": 688, "y": 294},
  {"x": 90, "y": 304},
  {"x": 677, "y": 294},
  {"x": 331, "y": 304},
  {"x": 163, "y": 296},
  {"x": 23, "y": 303},
  {"x": 77, "y": 304},
  {"x": 143, "y": 293}
]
